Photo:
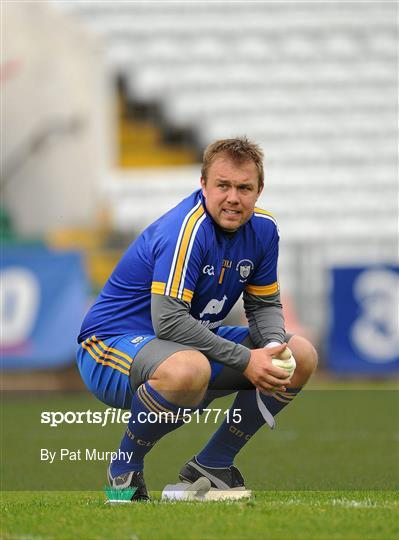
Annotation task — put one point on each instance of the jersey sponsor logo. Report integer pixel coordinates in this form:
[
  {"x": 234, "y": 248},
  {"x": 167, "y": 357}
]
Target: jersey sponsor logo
[
  {"x": 208, "y": 269},
  {"x": 211, "y": 325},
  {"x": 213, "y": 307},
  {"x": 244, "y": 267}
]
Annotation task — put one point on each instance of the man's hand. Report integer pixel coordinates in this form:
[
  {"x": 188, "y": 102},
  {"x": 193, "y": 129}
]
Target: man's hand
[{"x": 263, "y": 374}]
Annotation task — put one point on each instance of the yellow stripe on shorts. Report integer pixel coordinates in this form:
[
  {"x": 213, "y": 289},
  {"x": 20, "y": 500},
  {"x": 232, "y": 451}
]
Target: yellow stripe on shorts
[
  {"x": 99, "y": 359},
  {"x": 115, "y": 351}
]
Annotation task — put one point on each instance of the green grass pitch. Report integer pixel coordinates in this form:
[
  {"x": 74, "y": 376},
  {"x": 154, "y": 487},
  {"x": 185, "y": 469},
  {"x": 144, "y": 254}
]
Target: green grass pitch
[
  {"x": 270, "y": 515},
  {"x": 330, "y": 470}
]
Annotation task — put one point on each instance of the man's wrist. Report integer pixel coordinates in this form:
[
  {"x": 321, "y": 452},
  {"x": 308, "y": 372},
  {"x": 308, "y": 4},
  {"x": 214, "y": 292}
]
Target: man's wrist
[
  {"x": 245, "y": 355},
  {"x": 272, "y": 344}
]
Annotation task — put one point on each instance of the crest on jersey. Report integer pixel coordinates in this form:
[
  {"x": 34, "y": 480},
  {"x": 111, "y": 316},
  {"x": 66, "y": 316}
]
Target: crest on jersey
[{"x": 244, "y": 267}]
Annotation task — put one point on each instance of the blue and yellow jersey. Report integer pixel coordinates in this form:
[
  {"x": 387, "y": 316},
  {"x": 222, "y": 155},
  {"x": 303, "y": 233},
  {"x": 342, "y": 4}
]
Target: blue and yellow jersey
[{"x": 185, "y": 255}]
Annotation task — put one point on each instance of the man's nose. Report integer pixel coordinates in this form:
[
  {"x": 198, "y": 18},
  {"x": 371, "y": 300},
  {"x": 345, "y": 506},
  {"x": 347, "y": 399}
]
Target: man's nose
[{"x": 233, "y": 196}]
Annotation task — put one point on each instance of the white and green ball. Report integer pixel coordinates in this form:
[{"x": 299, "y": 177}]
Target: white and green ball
[{"x": 285, "y": 361}]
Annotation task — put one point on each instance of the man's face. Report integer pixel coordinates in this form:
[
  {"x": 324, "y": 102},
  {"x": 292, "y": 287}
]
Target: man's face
[{"x": 231, "y": 191}]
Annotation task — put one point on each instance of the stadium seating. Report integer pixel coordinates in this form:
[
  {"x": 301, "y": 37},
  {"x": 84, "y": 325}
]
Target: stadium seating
[
  {"x": 283, "y": 73},
  {"x": 314, "y": 83}
]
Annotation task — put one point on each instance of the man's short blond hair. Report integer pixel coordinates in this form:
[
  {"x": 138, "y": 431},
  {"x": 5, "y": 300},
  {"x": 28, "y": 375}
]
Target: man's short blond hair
[{"x": 240, "y": 150}]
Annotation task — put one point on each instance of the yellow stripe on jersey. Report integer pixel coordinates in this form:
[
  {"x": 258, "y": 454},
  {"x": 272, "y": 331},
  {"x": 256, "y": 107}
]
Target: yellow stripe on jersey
[
  {"x": 221, "y": 275},
  {"x": 264, "y": 212},
  {"x": 186, "y": 296},
  {"x": 263, "y": 290},
  {"x": 184, "y": 244},
  {"x": 158, "y": 287},
  {"x": 99, "y": 360}
]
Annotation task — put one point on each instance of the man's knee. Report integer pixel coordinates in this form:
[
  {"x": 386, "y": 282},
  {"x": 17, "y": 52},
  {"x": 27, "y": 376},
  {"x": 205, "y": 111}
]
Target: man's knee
[
  {"x": 184, "y": 370},
  {"x": 305, "y": 355}
]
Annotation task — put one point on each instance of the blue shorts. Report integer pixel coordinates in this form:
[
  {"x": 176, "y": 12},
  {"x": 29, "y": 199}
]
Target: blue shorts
[{"x": 105, "y": 364}]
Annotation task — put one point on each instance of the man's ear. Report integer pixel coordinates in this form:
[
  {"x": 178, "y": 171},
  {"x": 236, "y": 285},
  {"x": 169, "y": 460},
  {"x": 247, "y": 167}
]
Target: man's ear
[
  {"x": 203, "y": 186},
  {"x": 260, "y": 191}
]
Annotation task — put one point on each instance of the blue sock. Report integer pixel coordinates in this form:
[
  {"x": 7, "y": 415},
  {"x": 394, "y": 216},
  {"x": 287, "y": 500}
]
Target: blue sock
[
  {"x": 231, "y": 436},
  {"x": 141, "y": 435}
]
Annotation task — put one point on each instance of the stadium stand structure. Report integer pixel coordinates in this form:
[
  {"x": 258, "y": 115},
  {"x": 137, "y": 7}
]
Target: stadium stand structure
[
  {"x": 146, "y": 138},
  {"x": 315, "y": 83}
]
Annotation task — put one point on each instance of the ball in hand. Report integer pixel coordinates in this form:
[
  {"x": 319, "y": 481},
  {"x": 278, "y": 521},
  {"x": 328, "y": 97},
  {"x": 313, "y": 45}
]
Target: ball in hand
[{"x": 285, "y": 361}]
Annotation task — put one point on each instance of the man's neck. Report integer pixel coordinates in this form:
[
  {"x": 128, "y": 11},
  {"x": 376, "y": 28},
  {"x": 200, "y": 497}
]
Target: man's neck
[{"x": 229, "y": 232}]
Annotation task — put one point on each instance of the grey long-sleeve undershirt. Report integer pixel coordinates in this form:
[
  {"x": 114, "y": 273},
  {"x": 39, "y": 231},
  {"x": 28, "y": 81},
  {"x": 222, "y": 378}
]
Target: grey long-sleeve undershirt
[
  {"x": 172, "y": 321},
  {"x": 265, "y": 318}
]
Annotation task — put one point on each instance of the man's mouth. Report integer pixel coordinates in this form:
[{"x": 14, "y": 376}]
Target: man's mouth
[{"x": 230, "y": 212}]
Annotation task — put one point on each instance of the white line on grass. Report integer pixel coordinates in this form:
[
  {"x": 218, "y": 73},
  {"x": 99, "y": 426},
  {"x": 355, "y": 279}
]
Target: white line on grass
[{"x": 345, "y": 503}]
